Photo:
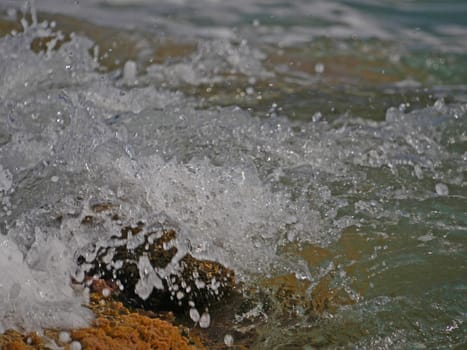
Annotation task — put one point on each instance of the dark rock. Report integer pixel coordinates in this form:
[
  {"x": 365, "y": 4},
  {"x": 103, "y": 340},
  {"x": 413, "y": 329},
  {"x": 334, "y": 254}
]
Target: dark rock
[{"x": 151, "y": 272}]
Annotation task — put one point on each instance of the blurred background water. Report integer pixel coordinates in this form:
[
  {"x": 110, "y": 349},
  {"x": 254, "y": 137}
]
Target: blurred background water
[{"x": 319, "y": 148}]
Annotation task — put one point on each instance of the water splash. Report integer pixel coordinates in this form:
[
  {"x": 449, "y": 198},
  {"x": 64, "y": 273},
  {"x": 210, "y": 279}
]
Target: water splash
[{"x": 382, "y": 198}]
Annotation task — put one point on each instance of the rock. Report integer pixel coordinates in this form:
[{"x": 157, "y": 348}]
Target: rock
[
  {"x": 145, "y": 268},
  {"x": 116, "y": 328},
  {"x": 13, "y": 340},
  {"x": 143, "y": 285}
]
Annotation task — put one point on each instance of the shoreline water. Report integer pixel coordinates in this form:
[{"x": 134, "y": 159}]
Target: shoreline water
[{"x": 327, "y": 170}]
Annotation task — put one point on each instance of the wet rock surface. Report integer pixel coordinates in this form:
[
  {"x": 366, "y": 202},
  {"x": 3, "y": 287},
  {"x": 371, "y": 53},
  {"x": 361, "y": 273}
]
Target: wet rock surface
[
  {"x": 118, "y": 328},
  {"x": 144, "y": 267}
]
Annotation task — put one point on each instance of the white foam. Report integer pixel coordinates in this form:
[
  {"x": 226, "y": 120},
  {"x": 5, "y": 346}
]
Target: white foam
[
  {"x": 31, "y": 294},
  {"x": 149, "y": 279},
  {"x": 209, "y": 64},
  {"x": 5, "y": 180}
]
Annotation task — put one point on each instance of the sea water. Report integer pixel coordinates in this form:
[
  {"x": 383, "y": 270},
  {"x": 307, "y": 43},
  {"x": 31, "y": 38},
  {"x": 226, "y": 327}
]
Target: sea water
[{"x": 324, "y": 140}]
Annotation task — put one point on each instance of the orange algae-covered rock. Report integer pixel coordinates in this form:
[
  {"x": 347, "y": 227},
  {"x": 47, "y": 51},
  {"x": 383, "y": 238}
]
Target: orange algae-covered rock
[
  {"x": 115, "y": 328},
  {"x": 13, "y": 340},
  {"x": 131, "y": 331},
  {"x": 14, "y": 345}
]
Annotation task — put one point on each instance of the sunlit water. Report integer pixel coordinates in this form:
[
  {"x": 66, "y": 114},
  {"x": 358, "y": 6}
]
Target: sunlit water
[{"x": 323, "y": 141}]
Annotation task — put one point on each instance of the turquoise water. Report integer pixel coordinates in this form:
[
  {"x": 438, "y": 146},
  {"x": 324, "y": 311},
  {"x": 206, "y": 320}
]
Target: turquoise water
[{"x": 319, "y": 148}]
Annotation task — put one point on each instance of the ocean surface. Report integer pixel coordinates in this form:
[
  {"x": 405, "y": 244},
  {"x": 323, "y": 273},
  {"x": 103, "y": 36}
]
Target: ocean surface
[{"x": 317, "y": 147}]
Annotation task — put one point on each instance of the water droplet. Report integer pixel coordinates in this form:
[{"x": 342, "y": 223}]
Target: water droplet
[
  {"x": 228, "y": 340},
  {"x": 75, "y": 345},
  {"x": 317, "y": 117},
  {"x": 426, "y": 238},
  {"x": 418, "y": 171},
  {"x": 205, "y": 320},
  {"x": 319, "y": 68},
  {"x": 129, "y": 72},
  {"x": 194, "y": 315},
  {"x": 442, "y": 189},
  {"x": 439, "y": 104},
  {"x": 64, "y": 337}
]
